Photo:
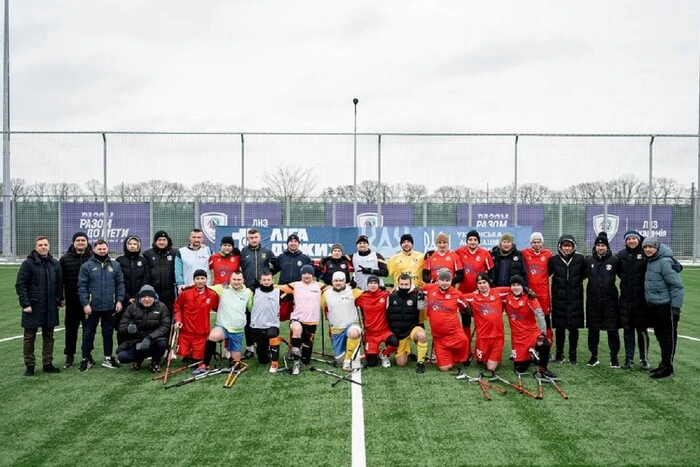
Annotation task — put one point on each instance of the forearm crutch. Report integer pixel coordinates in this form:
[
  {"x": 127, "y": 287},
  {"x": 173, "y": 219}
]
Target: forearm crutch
[
  {"x": 234, "y": 372},
  {"x": 335, "y": 375},
  {"x": 172, "y": 349}
]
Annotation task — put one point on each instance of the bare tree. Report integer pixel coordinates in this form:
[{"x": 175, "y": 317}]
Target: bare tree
[
  {"x": 94, "y": 190},
  {"x": 622, "y": 190},
  {"x": 289, "y": 184},
  {"x": 533, "y": 193},
  {"x": 447, "y": 194},
  {"x": 64, "y": 191}
]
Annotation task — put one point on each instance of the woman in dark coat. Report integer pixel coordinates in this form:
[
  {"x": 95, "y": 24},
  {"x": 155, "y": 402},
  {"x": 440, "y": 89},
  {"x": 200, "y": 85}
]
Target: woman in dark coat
[{"x": 40, "y": 295}]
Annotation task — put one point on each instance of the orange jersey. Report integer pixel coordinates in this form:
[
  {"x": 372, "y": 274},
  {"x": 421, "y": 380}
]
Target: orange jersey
[
  {"x": 449, "y": 260},
  {"x": 222, "y": 267},
  {"x": 487, "y": 311},
  {"x": 473, "y": 263},
  {"x": 536, "y": 265},
  {"x": 373, "y": 305},
  {"x": 192, "y": 309},
  {"x": 443, "y": 310}
]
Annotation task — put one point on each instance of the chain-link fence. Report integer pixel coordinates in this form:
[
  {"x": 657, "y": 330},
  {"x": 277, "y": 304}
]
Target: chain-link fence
[{"x": 578, "y": 184}]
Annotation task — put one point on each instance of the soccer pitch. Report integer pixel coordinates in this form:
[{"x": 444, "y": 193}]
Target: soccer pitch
[{"x": 119, "y": 417}]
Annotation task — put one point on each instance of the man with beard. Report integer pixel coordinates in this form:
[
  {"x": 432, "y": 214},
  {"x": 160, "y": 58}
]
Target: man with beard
[
  {"x": 136, "y": 275},
  {"x": 78, "y": 253},
  {"x": 402, "y": 316},
  {"x": 373, "y": 303},
  {"x": 161, "y": 267},
  {"x": 290, "y": 263},
  {"x": 410, "y": 262},
  {"x": 191, "y": 258},
  {"x": 442, "y": 258},
  {"x": 366, "y": 262},
  {"x": 346, "y": 331}
]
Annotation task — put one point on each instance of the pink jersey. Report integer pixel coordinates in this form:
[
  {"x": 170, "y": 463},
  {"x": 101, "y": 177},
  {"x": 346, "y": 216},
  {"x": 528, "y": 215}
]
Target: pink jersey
[{"x": 307, "y": 302}]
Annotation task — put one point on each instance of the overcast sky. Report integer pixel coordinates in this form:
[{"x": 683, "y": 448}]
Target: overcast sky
[{"x": 430, "y": 66}]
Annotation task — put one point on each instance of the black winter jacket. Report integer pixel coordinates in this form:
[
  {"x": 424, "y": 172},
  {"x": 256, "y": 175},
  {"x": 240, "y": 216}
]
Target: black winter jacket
[
  {"x": 633, "y": 305},
  {"x": 330, "y": 265},
  {"x": 602, "y": 308},
  {"x": 136, "y": 273},
  {"x": 39, "y": 286},
  {"x": 402, "y": 312},
  {"x": 161, "y": 272},
  {"x": 70, "y": 269},
  {"x": 567, "y": 274},
  {"x": 507, "y": 266},
  {"x": 255, "y": 261},
  {"x": 152, "y": 322}
]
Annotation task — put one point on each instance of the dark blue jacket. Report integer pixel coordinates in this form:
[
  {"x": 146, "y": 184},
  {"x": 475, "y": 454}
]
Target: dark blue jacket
[{"x": 100, "y": 285}]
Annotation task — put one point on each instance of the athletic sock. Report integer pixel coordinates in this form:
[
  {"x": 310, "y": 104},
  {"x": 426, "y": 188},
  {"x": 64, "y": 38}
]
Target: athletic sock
[
  {"x": 209, "y": 351},
  {"x": 422, "y": 350},
  {"x": 350, "y": 349}
]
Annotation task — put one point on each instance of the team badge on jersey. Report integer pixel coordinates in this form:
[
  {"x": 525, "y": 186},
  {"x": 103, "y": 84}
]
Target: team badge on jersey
[
  {"x": 608, "y": 267},
  {"x": 299, "y": 263},
  {"x": 543, "y": 259},
  {"x": 408, "y": 302},
  {"x": 169, "y": 257},
  {"x": 343, "y": 266}
]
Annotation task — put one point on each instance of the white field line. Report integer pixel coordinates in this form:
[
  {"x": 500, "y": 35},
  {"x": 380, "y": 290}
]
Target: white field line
[
  {"x": 695, "y": 339},
  {"x": 19, "y": 337},
  {"x": 357, "y": 448}
]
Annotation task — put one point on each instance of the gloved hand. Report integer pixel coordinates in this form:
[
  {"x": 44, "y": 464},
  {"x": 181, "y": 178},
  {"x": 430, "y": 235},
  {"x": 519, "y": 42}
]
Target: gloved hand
[
  {"x": 353, "y": 284},
  {"x": 428, "y": 254},
  {"x": 145, "y": 344},
  {"x": 131, "y": 328},
  {"x": 675, "y": 311},
  {"x": 531, "y": 294},
  {"x": 541, "y": 339},
  {"x": 365, "y": 270}
]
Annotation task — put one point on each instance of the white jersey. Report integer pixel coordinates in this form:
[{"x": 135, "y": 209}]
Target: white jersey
[
  {"x": 190, "y": 260},
  {"x": 342, "y": 311},
  {"x": 266, "y": 309},
  {"x": 368, "y": 261}
]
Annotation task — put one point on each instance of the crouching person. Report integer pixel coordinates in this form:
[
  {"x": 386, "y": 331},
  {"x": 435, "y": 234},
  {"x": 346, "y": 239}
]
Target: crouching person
[{"x": 144, "y": 329}]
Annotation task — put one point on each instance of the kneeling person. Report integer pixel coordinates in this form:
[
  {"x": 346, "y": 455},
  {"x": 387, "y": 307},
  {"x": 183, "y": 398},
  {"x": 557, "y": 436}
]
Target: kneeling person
[
  {"x": 144, "y": 329},
  {"x": 403, "y": 316},
  {"x": 346, "y": 332},
  {"x": 265, "y": 322},
  {"x": 372, "y": 302}
]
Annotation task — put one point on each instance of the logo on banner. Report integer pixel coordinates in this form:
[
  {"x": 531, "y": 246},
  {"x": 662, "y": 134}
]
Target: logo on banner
[
  {"x": 370, "y": 219},
  {"x": 210, "y": 221},
  {"x": 610, "y": 227}
]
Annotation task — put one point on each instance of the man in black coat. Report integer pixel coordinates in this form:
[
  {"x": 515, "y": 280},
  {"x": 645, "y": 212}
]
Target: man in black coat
[
  {"x": 144, "y": 330},
  {"x": 136, "y": 275},
  {"x": 633, "y": 304},
  {"x": 602, "y": 307},
  {"x": 40, "y": 295},
  {"x": 78, "y": 254},
  {"x": 161, "y": 267}
]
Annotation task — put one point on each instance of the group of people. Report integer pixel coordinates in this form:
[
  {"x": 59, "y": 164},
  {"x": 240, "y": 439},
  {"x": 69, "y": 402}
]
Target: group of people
[{"x": 146, "y": 296}]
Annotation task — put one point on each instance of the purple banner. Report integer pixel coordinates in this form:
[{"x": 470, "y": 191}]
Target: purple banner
[
  {"x": 212, "y": 215},
  {"x": 622, "y": 218},
  {"x": 124, "y": 219},
  {"x": 500, "y": 216},
  {"x": 367, "y": 216}
]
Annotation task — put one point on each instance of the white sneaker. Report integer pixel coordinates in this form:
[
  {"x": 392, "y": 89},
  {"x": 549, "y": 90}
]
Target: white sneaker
[
  {"x": 296, "y": 368},
  {"x": 346, "y": 365},
  {"x": 386, "y": 360},
  {"x": 273, "y": 367}
]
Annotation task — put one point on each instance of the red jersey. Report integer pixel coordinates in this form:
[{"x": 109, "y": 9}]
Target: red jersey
[
  {"x": 449, "y": 260},
  {"x": 192, "y": 309},
  {"x": 521, "y": 318},
  {"x": 373, "y": 305},
  {"x": 536, "y": 265},
  {"x": 443, "y": 307},
  {"x": 222, "y": 267},
  {"x": 473, "y": 264},
  {"x": 488, "y": 312}
]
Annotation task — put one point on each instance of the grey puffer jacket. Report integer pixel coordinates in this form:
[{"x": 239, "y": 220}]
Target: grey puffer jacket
[{"x": 662, "y": 283}]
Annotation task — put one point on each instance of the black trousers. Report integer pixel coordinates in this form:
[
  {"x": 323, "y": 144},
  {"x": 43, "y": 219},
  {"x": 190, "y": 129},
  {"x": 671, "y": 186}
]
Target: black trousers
[
  {"x": 642, "y": 336},
  {"x": 666, "y": 331},
  {"x": 75, "y": 317},
  {"x": 560, "y": 338},
  {"x": 613, "y": 342}
]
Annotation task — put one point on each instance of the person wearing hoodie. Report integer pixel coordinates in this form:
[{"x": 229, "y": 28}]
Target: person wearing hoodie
[
  {"x": 144, "y": 330},
  {"x": 40, "y": 295},
  {"x": 78, "y": 254},
  {"x": 602, "y": 302},
  {"x": 160, "y": 259},
  {"x": 664, "y": 295},
  {"x": 101, "y": 292},
  {"x": 136, "y": 275},
  {"x": 568, "y": 270},
  {"x": 507, "y": 262},
  {"x": 633, "y": 305}
]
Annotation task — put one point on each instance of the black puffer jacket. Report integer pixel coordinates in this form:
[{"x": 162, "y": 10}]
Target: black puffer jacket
[
  {"x": 39, "y": 286},
  {"x": 70, "y": 269},
  {"x": 602, "y": 309},
  {"x": 568, "y": 273},
  {"x": 402, "y": 312},
  {"x": 330, "y": 265},
  {"x": 161, "y": 271},
  {"x": 506, "y": 266},
  {"x": 135, "y": 270},
  {"x": 633, "y": 305},
  {"x": 152, "y": 322}
]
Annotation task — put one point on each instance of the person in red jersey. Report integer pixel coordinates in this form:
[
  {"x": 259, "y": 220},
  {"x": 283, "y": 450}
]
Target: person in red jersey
[
  {"x": 192, "y": 309},
  {"x": 445, "y": 303},
  {"x": 537, "y": 266},
  {"x": 527, "y": 329},
  {"x": 225, "y": 261},
  {"x": 442, "y": 258},
  {"x": 372, "y": 303},
  {"x": 486, "y": 305},
  {"x": 475, "y": 260}
]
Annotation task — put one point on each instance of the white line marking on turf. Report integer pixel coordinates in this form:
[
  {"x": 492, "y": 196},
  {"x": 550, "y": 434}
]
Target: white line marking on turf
[
  {"x": 19, "y": 337},
  {"x": 695, "y": 339},
  {"x": 357, "y": 448}
]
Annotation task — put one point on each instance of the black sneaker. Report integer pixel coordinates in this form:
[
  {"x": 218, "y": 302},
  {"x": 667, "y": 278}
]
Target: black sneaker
[
  {"x": 628, "y": 365},
  {"x": 614, "y": 363},
  {"x": 645, "y": 365},
  {"x": 50, "y": 369},
  {"x": 155, "y": 368},
  {"x": 546, "y": 374},
  {"x": 420, "y": 368},
  {"x": 559, "y": 359},
  {"x": 92, "y": 360},
  {"x": 247, "y": 355},
  {"x": 110, "y": 363},
  {"x": 413, "y": 357},
  {"x": 657, "y": 369},
  {"x": 593, "y": 361},
  {"x": 664, "y": 372},
  {"x": 573, "y": 361},
  {"x": 69, "y": 361},
  {"x": 469, "y": 361},
  {"x": 84, "y": 365},
  {"x": 29, "y": 371}
]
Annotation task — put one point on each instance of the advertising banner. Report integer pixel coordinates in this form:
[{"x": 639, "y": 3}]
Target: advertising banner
[
  {"x": 367, "y": 216},
  {"x": 211, "y": 215},
  {"x": 124, "y": 219},
  {"x": 622, "y": 218},
  {"x": 501, "y": 216}
]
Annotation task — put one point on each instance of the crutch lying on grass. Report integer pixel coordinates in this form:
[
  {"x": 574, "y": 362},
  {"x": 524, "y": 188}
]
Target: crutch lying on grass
[
  {"x": 484, "y": 385},
  {"x": 234, "y": 371},
  {"x": 552, "y": 381},
  {"x": 285, "y": 368},
  {"x": 194, "y": 378},
  {"x": 336, "y": 375},
  {"x": 519, "y": 387},
  {"x": 175, "y": 371}
]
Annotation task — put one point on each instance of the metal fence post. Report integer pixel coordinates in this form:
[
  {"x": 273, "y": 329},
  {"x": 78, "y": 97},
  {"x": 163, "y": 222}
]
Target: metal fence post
[
  {"x": 651, "y": 185},
  {"x": 242, "y": 180},
  {"x": 515, "y": 185},
  {"x": 379, "y": 176},
  {"x": 105, "y": 208}
]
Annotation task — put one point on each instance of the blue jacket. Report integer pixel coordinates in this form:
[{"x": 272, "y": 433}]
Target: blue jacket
[
  {"x": 100, "y": 285},
  {"x": 662, "y": 283}
]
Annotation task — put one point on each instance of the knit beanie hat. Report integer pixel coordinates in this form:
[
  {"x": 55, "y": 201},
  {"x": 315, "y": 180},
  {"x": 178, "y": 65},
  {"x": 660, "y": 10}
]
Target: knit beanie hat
[
  {"x": 474, "y": 233},
  {"x": 405, "y": 237},
  {"x": 651, "y": 241}
]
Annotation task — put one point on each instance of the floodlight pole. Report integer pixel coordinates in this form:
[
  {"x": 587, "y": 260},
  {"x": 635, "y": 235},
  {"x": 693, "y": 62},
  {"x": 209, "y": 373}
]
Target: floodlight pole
[
  {"x": 354, "y": 167},
  {"x": 6, "y": 180}
]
